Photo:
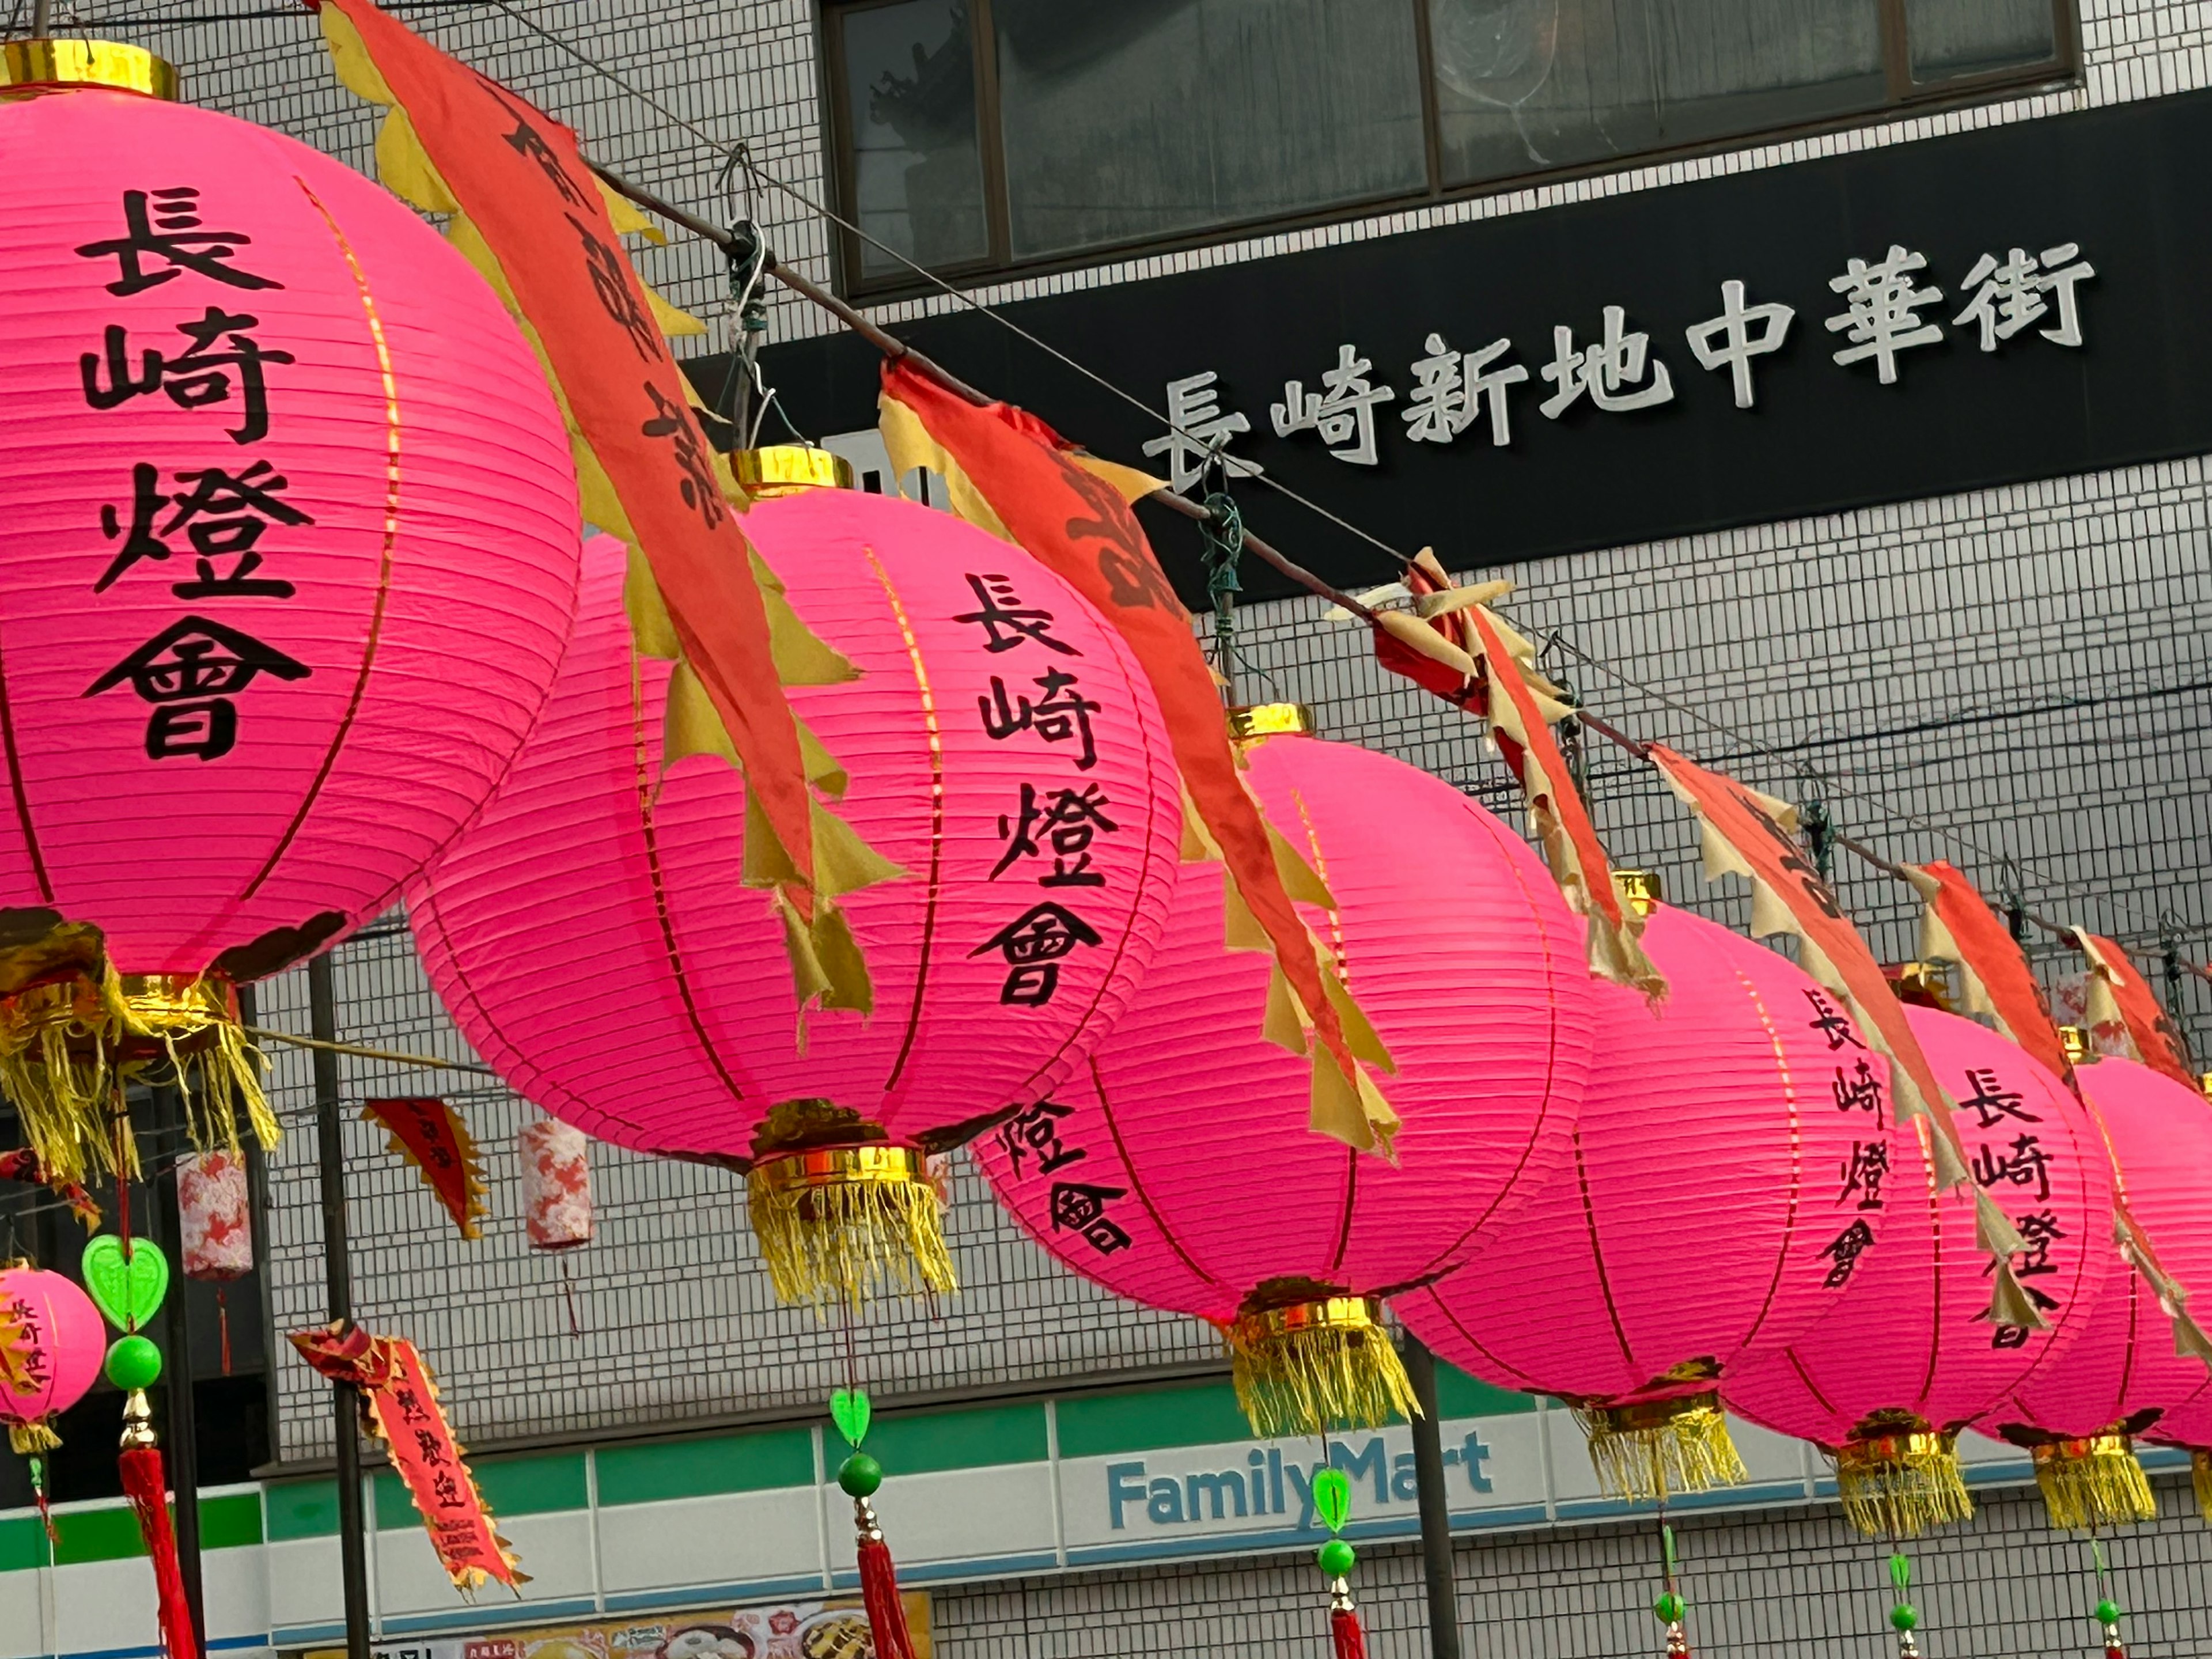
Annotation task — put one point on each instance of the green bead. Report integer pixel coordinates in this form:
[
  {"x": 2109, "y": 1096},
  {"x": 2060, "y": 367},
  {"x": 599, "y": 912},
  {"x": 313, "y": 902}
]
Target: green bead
[
  {"x": 859, "y": 1475},
  {"x": 1668, "y": 1607},
  {"x": 1337, "y": 1558},
  {"x": 1903, "y": 1615},
  {"x": 133, "y": 1363},
  {"x": 2108, "y": 1612}
]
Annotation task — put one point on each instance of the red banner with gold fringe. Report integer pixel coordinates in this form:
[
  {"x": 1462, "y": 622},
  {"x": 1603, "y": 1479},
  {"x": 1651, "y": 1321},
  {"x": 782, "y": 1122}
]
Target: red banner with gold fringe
[
  {"x": 2120, "y": 995},
  {"x": 431, "y": 1136}
]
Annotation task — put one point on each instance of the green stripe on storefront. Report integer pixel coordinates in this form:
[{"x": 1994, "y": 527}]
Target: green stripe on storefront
[
  {"x": 510, "y": 1485},
  {"x": 671, "y": 1469},
  {"x": 1154, "y": 1419},
  {"x": 1459, "y": 1394},
  {"x": 302, "y": 1509},
  {"x": 88, "y": 1535},
  {"x": 931, "y": 1442},
  {"x": 22, "y": 1544}
]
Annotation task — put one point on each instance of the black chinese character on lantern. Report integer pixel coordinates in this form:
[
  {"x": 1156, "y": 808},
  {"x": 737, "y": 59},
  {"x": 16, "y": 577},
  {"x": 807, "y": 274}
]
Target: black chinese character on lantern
[
  {"x": 1033, "y": 945},
  {"x": 1006, "y": 621},
  {"x": 673, "y": 422},
  {"x": 162, "y": 228},
  {"x": 1831, "y": 1022},
  {"x": 1035, "y": 1132},
  {"x": 1077, "y": 1208},
  {"x": 1845, "y": 1251},
  {"x": 1062, "y": 713},
  {"x": 1857, "y": 1090},
  {"x": 193, "y": 378},
  {"x": 224, "y": 515},
  {"x": 2026, "y": 1165},
  {"x": 611, "y": 281},
  {"x": 1865, "y": 1172},
  {"x": 189, "y": 671},
  {"x": 2009, "y": 1336},
  {"x": 1991, "y": 1103},
  {"x": 2038, "y": 1230},
  {"x": 1067, "y": 820}
]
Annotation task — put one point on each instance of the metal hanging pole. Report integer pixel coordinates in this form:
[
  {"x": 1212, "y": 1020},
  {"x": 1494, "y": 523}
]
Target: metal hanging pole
[
  {"x": 345, "y": 1398},
  {"x": 42, "y": 19},
  {"x": 1436, "y": 1507},
  {"x": 183, "y": 1449}
]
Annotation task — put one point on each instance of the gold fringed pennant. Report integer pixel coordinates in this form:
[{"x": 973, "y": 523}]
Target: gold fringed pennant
[
  {"x": 1647, "y": 1450},
  {"x": 430, "y": 1135},
  {"x": 1898, "y": 1479},
  {"x": 1322, "y": 1363},
  {"x": 2092, "y": 1482},
  {"x": 843, "y": 1224}
]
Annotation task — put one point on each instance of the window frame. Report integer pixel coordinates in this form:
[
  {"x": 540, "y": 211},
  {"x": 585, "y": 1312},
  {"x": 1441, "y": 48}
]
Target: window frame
[{"x": 1903, "y": 100}]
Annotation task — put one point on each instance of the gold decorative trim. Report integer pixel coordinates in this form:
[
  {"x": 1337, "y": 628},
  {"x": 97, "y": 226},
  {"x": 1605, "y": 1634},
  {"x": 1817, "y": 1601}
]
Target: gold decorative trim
[
  {"x": 1255, "y": 722},
  {"x": 2095, "y": 1480},
  {"x": 1302, "y": 1367},
  {"x": 844, "y": 1224},
  {"x": 1901, "y": 1481},
  {"x": 2075, "y": 1040},
  {"x": 34, "y": 66},
  {"x": 1648, "y": 1449},
  {"x": 778, "y": 469},
  {"x": 1642, "y": 891}
]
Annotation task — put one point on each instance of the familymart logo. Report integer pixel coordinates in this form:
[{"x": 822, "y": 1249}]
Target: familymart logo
[{"x": 1155, "y": 1491}]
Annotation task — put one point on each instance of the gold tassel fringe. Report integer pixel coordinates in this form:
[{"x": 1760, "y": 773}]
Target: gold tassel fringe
[
  {"x": 1901, "y": 1483},
  {"x": 848, "y": 1223},
  {"x": 2200, "y": 1476},
  {"x": 68, "y": 1047},
  {"x": 2095, "y": 1481},
  {"x": 31, "y": 1439},
  {"x": 1315, "y": 1365},
  {"x": 1651, "y": 1449}
]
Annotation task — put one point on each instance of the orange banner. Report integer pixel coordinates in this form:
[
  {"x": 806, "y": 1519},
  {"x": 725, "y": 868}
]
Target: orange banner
[
  {"x": 1958, "y": 926},
  {"x": 1023, "y": 480},
  {"x": 522, "y": 182},
  {"x": 2120, "y": 995},
  {"x": 428, "y": 1134},
  {"x": 405, "y": 1414}
]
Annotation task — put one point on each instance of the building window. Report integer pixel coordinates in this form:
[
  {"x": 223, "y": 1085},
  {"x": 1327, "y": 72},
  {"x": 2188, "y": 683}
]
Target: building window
[{"x": 975, "y": 135}]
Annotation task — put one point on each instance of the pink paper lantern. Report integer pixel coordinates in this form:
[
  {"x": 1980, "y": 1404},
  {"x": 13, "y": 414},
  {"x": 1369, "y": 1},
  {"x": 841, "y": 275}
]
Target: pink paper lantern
[
  {"x": 1731, "y": 1168},
  {"x": 557, "y": 1185},
  {"x": 215, "y": 1209},
  {"x": 1004, "y": 751},
  {"x": 1176, "y": 1168},
  {"x": 1885, "y": 1382},
  {"x": 52, "y": 1341},
  {"x": 289, "y": 557},
  {"x": 2124, "y": 1374}
]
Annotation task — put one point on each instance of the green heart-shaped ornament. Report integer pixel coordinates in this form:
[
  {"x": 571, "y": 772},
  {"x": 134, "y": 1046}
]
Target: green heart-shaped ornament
[
  {"x": 850, "y": 1411},
  {"x": 128, "y": 1289},
  {"x": 1332, "y": 1498}
]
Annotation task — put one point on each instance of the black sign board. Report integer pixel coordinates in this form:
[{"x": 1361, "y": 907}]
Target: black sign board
[{"x": 2109, "y": 212}]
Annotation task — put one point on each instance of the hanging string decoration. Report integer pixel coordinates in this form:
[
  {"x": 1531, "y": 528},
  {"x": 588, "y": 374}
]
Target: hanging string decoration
[
  {"x": 557, "y": 1185},
  {"x": 1331, "y": 1497},
  {"x": 289, "y": 558},
  {"x": 1445, "y": 926},
  {"x": 1733, "y": 1170},
  {"x": 859, "y": 1477},
  {"x": 1927, "y": 1339},
  {"x": 215, "y": 1217},
  {"x": 1008, "y": 767}
]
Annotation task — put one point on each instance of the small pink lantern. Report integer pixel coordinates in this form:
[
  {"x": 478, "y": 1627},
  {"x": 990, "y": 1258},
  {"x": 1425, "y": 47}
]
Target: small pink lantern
[
  {"x": 1915, "y": 1350},
  {"x": 289, "y": 558},
  {"x": 2128, "y": 1372},
  {"x": 52, "y": 1341},
  {"x": 1008, "y": 764},
  {"x": 216, "y": 1212},
  {"x": 1176, "y": 1169},
  {"x": 1731, "y": 1168},
  {"x": 557, "y": 1185}
]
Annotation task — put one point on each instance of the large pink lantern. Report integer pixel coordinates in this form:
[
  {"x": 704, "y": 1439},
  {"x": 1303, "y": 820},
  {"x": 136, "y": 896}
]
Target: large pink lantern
[
  {"x": 50, "y": 1344},
  {"x": 596, "y": 940},
  {"x": 1916, "y": 1350},
  {"x": 1732, "y": 1170},
  {"x": 288, "y": 558},
  {"x": 2128, "y": 1373},
  {"x": 1176, "y": 1167}
]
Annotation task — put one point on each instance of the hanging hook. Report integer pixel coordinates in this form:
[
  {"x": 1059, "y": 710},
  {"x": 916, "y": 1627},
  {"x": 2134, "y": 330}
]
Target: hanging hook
[{"x": 1223, "y": 528}]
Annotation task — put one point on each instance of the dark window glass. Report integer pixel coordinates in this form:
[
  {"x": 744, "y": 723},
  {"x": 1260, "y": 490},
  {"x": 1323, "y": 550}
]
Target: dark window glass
[
  {"x": 1524, "y": 85},
  {"x": 1149, "y": 118},
  {"x": 909, "y": 87},
  {"x": 1973, "y": 37}
]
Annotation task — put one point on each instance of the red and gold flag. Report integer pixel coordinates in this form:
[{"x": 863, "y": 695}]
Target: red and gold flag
[
  {"x": 404, "y": 1413},
  {"x": 430, "y": 1135},
  {"x": 1012, "y": 475},
  {"x": 1957, "y": 926},
  {"x": 2121, "y": 997}
]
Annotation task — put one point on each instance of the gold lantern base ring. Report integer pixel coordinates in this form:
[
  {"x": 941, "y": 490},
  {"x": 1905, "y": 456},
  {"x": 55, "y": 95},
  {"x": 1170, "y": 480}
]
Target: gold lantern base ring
[
  {"x": 844, "y": 1224},
  {"x": 69, "y": 1045},
  {"x": 2093, "y": 1482},
  {"x": 1302, "y": 1367},
  {"x": 1902, "y": 1480},
  {"x": 1648, "y": 1449}
]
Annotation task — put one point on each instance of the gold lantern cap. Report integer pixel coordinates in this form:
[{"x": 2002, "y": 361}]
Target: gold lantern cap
[
  {"x": 1642, "y": 889},
  {"x": 35, "y": 66},
  {"x": 1252, "y": 722},
  {"x": 2075, "y": 1039},
  {"x": 788, "y": 469}
]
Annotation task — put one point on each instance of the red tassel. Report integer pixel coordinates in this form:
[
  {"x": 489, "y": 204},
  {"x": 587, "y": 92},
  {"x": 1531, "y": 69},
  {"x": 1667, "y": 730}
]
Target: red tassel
[
  {"x": 1344, "y": 1628},
  {"x": 146, "y": 1487},
  {"x": 879, "y": 1593},
  {"x": 222, "y": 1319}
]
